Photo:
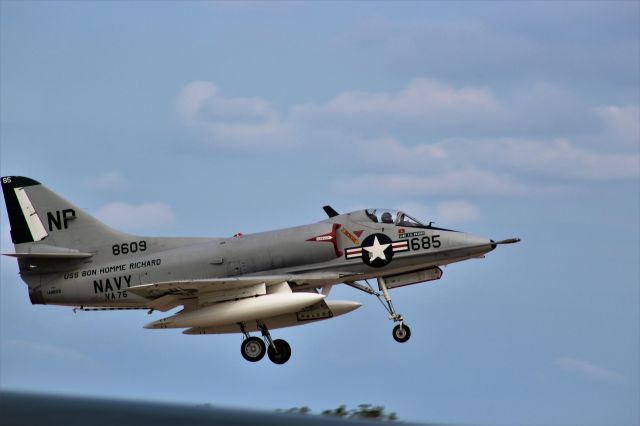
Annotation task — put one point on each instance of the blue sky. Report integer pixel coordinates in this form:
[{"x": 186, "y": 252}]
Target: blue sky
[{"x": 205, "y": 119}]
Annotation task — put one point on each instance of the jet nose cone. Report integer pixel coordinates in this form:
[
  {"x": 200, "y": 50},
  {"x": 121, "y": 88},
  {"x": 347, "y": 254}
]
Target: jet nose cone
[
  {"x": 476, "y": 240},
  {"x": 471, "y": 245},
  {"x": 463, "y": 240}
]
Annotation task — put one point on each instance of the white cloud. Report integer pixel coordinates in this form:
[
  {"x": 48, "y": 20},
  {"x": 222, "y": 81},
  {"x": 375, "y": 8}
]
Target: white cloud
[
  {"x": 106, "y": 180},
  {"x": 623, "y": 125},
  {"x": 388, "y": 151},
  {"x": 254, "y": 122},
  {"x": 233, "y": 122},
  {"x": 586, "y": 369},
  {"x": 132, "y": 216},
  {"x": 424, "y": 102},
  {"x": 558, "y": 158},
  {"x": 490, "y": 166},
  {"x": 191, "y": 98},
  {"x": 469, "y": 181},
  {"x": 487, "y": 164}
]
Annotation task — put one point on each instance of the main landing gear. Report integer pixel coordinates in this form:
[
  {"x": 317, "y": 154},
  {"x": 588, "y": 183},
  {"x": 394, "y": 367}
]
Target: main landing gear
[
  {"x": 254, "y": 348},
  {"x": 401, "y": 332}
]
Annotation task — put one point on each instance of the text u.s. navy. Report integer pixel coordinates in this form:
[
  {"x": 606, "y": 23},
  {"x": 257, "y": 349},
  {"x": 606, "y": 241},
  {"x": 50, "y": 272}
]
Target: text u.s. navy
[{"x": 243, "y": 284}]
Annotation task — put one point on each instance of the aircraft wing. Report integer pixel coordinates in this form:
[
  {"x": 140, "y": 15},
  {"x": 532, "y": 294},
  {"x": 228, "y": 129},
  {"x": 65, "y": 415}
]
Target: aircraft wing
[{"x": 168, "y": 294}]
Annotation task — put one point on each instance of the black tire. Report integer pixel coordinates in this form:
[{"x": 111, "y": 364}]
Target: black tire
[
  {"x": 282, "y": 352},
  {"x": 401, "y": 333},
  {"x": 253, "y": 349}
]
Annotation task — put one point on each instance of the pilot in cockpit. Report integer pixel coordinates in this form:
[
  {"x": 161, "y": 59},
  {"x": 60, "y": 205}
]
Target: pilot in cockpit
[
  {"x": 393, "y": 217},
  {"x": 386, "y": 217}
]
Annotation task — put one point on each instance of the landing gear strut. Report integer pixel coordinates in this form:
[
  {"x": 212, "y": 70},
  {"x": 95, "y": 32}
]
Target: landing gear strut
[
  {"x": 401, "y": 332},
  {"x": 279, "y": 350},
  {"x": 254, "y": 348}
]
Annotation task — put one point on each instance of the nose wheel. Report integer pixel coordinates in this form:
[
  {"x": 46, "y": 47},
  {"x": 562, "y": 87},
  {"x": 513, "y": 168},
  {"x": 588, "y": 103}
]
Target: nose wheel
[
  {"x": 401, "y": 332},
  {"x": 253, "y": 349}
]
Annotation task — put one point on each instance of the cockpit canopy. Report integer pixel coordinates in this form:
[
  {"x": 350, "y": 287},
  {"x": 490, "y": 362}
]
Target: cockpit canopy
[{"x": 393, "y": 217}]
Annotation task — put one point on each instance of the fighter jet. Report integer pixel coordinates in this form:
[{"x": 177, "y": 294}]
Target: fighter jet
[{"x": 241, "y": 284}]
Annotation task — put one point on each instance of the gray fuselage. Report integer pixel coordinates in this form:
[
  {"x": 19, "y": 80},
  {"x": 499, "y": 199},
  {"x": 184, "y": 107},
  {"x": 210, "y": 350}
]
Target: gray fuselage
[{"x": 103, "y": 280}]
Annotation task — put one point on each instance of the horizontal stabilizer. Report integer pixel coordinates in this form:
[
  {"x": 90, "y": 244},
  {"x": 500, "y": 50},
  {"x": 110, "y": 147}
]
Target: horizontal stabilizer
[
  {"x": 44, "y": 251},
  {"x": 51, "y": 256}
]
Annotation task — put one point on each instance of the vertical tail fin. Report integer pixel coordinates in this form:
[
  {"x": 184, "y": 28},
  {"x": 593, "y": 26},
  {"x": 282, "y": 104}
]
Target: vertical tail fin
[{"x": 38, "y": 215}]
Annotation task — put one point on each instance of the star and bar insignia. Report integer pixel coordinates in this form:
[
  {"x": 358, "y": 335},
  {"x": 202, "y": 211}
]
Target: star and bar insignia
[{"x": 377, "y": 250}]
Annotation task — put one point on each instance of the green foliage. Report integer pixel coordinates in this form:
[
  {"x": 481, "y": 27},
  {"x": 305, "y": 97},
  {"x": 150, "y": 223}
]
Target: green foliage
[
  {"x": 363, "y": 412},
  {"x": 369, "y": 412},
  {"x": 341, "y": 411},
  {"x": 296, "y": 410}
]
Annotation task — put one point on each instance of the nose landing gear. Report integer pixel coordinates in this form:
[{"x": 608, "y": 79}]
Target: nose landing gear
[{"x": 401, "y": 332}]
